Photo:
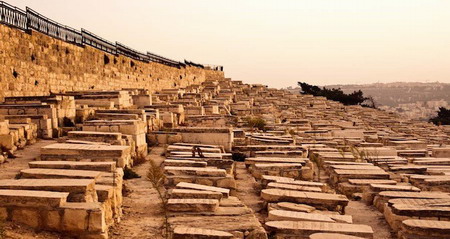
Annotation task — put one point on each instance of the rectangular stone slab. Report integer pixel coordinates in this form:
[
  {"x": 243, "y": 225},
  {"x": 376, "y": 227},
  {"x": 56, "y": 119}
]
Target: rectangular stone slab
[
  {"x": 294, "y": 187},
  {"x": 266, "y": 179},
  {"x": 181, "y": 232},
  {"x": 188, "y": 193},
  {"x": 340, "y": 175},
  {"x": 94, "y": 134},
  {"x": 304, "y": 229},
  {"x": 386, "y": 187},
  {"x": 39, "y": 173},
  {"x": 322, "y": 200},
  {"x": 184, "y": 163},
  {"x": 31, "y": 198},
  {"x": 181, "y": 148},
  {"x": 242, "y": 223},
  {"x": 280, "y": 166},
  {"x": 384, "y": 196},
  {"x": 74, "y": 165},
  {"x": 225, "y": 192},
  {"x": 284, "y": 215},
  {"x": 55, "y": 185},
  {"x": 417, "y": 228},
  {"x": 420, "y": 210},
  {"x": 212, "y": 172},
  {"x": 355, "y": 167},
  {"x": 432, "y": 161},
  {"x": 371, "y": 181},
  {"x": 252, "y": 161},
  {"x": 379, "y": 172},
  {"x": 418, "y": 201},
  {"x": 87, "y": 152},
  {"x": 192, "y": 205}
]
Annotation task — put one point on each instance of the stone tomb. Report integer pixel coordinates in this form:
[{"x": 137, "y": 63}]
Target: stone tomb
[
  {"x": 88, "y": 153},
  {"x": 333, "y": 202},
  {"x": 303, "y": 229}
]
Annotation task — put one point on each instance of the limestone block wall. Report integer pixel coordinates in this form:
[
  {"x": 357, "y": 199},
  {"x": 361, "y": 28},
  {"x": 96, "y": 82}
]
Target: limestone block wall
[
  {"x": 207, "y": 135},
  {"x": 36, "y": 64}
]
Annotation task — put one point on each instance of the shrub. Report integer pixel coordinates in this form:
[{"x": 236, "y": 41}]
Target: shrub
[{"x": 255, "y": 122}]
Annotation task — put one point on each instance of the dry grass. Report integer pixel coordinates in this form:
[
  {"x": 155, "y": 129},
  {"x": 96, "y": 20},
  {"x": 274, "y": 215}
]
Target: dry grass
[{"x": 156, "y": 176}]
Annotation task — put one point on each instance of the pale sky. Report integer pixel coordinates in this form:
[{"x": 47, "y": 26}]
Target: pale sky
[{"x": 278, "y": 42}]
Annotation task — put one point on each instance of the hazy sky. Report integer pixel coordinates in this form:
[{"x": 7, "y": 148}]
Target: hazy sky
[{"x": 278, "y": 42}]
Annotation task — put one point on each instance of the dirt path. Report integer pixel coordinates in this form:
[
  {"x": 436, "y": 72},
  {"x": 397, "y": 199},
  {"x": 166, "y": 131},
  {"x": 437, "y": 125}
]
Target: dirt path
[
  {"x": 10, "y": 168},
  {"x": 248, "y": 191},
  {"x": 368, "y": 215},
  {"x": 142, "y": 216}
]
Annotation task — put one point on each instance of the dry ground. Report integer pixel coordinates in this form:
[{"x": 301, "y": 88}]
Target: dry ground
[{"x": 142, "y": 215}]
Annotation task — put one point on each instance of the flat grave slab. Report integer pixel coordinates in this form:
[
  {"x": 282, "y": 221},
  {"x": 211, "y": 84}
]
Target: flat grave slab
[
  {"x": 74, "y": 165},
  {"x": 285, "y": 215},
  {"x": 305, "y": 229},
  {"x": 197, "y": 171},
  {"x": 416, "y": 228},
  {"x": 225, "y": 192},
  {"x": 294, "y": 187},
  {"x": 318, "y": 200},
  {"x": 181, "y": 232},
  {"x": 32, "y": 198},
  {"x": 39, "y": 173},
  {"x": 192, "y": 205},
  {"x": 189, "y": 193},
  {"x": 80, "y": 190}
]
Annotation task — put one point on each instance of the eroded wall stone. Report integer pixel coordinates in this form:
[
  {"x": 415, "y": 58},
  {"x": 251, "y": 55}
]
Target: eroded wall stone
[{"x": 36, "y": 64}]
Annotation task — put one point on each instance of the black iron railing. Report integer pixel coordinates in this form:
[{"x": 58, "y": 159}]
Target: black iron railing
[
  {"x": 95, "y": 41},
  {"x": 190, "y": 63},
  {"x": 130, "y": 52},
  {"x": 13, "y": 16},
  {"x": 162, "y": 60},
  {"x": 47, "y": 26},
  {"x": 32, "y": 20}
]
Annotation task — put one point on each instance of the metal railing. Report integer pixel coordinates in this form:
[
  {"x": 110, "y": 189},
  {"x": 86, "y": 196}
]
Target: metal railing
[
  {"x": 13, "y": 16},
  {"x": 162, "y": 60},
  {"x": 54, "y": 29},
  {"x": 190, "y": 63},
  {"x": 95, "y": 41},
  {"x": 130, "y": 52},
  {"x": 32, "y": 20}
]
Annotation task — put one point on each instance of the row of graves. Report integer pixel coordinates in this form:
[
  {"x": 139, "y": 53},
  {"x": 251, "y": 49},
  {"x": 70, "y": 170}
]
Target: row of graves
[
  {"x": 75, "y": 186},
  {"x": 200, "y": 183},
  {"x": 315, "y": 155},
  {"x": 310, "y": 157},
  {"x": 297, "y": 205}
]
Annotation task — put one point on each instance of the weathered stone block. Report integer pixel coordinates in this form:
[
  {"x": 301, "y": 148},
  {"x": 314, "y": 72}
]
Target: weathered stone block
[{"x": 26, "y": 216}]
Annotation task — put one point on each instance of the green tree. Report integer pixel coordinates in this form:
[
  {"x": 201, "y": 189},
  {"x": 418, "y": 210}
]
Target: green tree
[
  {"x": 354, "y": 98},
  {"x": 442, "y": 118}
]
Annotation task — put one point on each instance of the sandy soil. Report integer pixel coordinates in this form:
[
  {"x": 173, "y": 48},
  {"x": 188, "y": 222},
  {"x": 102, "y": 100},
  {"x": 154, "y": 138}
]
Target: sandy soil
[
  {"x": 12, "y": 166},
  {"x": 248, "y": 191},
  {"x": 369, "y": 215},
  {"x": 142, "y": 214}
]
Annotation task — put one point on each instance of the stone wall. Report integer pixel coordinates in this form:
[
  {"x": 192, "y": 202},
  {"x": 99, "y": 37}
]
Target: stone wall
[{"x": 36, "y": 64}]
